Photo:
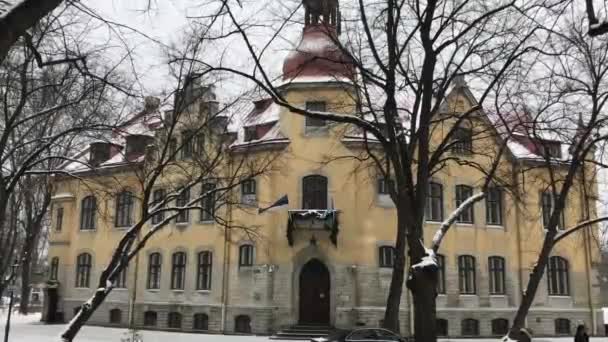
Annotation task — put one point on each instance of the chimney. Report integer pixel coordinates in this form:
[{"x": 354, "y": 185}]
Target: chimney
[
  {"x": 151, "y": 104},
  {"x": 99, "y": 152}
]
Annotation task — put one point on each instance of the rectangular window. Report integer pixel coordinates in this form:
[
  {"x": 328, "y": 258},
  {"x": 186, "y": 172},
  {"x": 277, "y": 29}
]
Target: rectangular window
[
  {"x": 494, "y": 206},
  {"x": 203, "y": 276},
  {"x": 157, "y": 197},
  {"x": 121, "y": 281},
  {"x": 246, "y": 255},
  {"x": 178, "y": 271},
  {"x": 207, "y": 212},
  {"x": 496, "y": 266},
  {"x": 248, "y": 192},
  {"x": 317, "y": 106},
  {"x": 466, "y": 274},
  {"x": 440, "y": 274},
  {"x": 59, "y": 223},
  {"x": 385, "y": 186},
  {"x": 547, "y": 204},
  {"x": 187, "y": 144},
  {"x": 386, "y": 256},
  {"x": 181, "y": 201},
  {"x": 434, "y": 206},
  {"x": 462, "y": 141},
  {"x": 463, "y": 192},
  {"x": 154, "y": 266}
]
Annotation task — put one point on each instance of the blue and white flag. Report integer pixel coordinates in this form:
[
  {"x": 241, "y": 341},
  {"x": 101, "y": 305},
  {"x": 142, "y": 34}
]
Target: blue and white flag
[{"x": 282, "y": 202}]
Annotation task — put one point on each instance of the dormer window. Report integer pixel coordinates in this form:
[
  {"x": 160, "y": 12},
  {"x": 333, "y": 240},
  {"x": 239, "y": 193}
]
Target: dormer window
[
  {"x": 250, "y": 134},
  {"x": 552, "y": 149},
  {"x": 317, "y": 106}
]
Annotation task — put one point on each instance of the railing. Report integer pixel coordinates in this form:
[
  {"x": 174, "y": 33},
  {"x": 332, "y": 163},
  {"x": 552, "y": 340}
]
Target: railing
[{"x": 313, "y": 219}]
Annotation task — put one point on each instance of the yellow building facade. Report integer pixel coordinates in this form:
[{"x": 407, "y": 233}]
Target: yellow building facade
[{"x": 326, "y": 259}]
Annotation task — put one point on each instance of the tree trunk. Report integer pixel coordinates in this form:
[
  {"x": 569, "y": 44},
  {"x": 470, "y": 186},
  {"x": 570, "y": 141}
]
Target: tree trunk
[
  {"x": 423, "y": 286},
  {"x": 86, "y": 310},
  {"x": 24, "y": 301},
  {"x": 393, "y": 302},
  {"x": 535, "y": 279}
]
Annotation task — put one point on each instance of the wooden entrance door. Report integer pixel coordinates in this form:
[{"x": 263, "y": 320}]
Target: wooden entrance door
[{"x": 314, "y": 293}]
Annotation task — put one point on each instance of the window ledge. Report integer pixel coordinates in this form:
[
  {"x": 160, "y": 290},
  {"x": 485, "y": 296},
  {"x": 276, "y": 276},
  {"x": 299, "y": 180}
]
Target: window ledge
[
  {"x": 207, "y": 222},
  {"x": 203, "y": 292},
  {"x": 468, "y": 295},
  {"x": 177, "y": 291},
  {"x": 153, "y": 290},
  {"x": 560, "y": 296},
  {"x": 433, "y": 222},
  {"x": 465, "y": 224},
  {"x": 495, "y": 226},
  {"x": 313, "y": 131},
  {"x": 122, "y": 228},
  {"x": 87, "y": 230},
  {"x": 182, "y": 224},
  {"x": 82, "y": 288},
  {"x": 496, "y": 295}
]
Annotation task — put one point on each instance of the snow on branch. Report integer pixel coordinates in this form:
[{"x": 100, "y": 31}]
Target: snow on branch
[
  {"x": 577, "y": 227},
  {"x": 445, "y": 225},
  {"x": 428, "y": 261}
]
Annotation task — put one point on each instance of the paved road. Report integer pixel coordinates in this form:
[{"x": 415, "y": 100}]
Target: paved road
[{"x": 29, "y": 329}]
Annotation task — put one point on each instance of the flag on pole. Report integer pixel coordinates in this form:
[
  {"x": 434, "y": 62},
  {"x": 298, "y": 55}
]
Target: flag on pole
[{"x": 280, "y": 203}]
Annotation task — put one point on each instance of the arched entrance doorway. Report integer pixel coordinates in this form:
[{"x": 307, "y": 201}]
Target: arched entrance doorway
[{"x": 314, "y": 293}]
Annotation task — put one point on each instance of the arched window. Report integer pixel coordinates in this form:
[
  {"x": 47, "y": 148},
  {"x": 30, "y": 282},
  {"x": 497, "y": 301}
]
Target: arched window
[
  {"x": 440, "y": 274},
  {"x": 174, "y": 320},
  {"x": 83, "y": 270},
  {"x": 178, "y": 271},
  {"x": 154, "y": 267},
  {"x": 442, "y": 327},
  {"x": 115, "y": 316},
  {"x": 463, "y": 192},
  {"x": 496, "y": 268},
  {"x": 386, "y": 256},
  {"x": 203, "y": 274},
  {"x": 466, "y": 273},
  {"x": 562, "y": 326},
  {"x": 124, "y": 209},
  {"x": 207, "y": 212},
  {"x": 314, "y": 192},
  {"x": 557, "y": 275},
  {"x": 246, "y": 255},
  {"x": 200, "y": 322},
  {"x": 500, "y": 326},
  {"x": 54, "y": 268},
  {"x": 150, "y": 318},
  {"x": 88, "y": 208},
  {"x": 470, "y": 327},
  {"x": 434, "y": 205},
  {"x": 242, "y": 324}
]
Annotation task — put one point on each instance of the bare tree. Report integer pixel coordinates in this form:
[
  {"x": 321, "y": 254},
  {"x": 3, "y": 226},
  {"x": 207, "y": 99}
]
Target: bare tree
[
  {"x": 188, "y": 147},
  {"x": 570, "y": 100},
  {"x": 403, "y": 61},
  {"x": 44, "y": 106}
]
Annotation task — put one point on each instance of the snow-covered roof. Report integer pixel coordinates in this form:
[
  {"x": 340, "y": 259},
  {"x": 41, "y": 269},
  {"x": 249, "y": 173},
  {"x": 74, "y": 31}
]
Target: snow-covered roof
[{"x": 272, "y": 136}]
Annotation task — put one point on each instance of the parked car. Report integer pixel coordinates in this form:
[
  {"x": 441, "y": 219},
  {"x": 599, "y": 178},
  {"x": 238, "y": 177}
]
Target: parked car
[{"x": 361, "y": 334}]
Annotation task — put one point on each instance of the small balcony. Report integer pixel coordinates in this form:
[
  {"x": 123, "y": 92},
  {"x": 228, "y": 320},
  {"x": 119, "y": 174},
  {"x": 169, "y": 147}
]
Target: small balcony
[{"x": 313, "y": 220}]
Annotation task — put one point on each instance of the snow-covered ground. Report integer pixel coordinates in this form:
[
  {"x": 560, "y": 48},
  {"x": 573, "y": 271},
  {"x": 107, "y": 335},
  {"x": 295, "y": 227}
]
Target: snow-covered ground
[{"x": 29, "y": 329}]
